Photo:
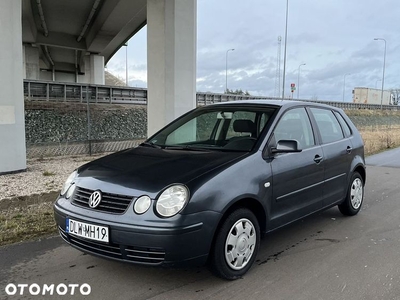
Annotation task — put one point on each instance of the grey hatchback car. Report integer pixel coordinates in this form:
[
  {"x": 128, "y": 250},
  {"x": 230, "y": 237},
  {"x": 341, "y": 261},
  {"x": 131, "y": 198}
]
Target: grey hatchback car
[{"x": 207, "y": 186}]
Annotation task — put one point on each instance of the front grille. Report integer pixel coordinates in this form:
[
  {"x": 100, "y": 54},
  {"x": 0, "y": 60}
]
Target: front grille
[
  {"x": 142, "y": 255},
  {"x": 111, "y": 203}
]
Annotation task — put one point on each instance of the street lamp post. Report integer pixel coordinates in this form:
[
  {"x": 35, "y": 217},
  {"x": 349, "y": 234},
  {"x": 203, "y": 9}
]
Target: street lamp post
[
  {"x": 284, "y": 56},
  {"x": 384, "y": 63},
  {"x": 344, "y": 84},
  {"x": 226, "y": 70},
  {"x": 298, "y": 80},
  {"x": 126, "y": 64}
]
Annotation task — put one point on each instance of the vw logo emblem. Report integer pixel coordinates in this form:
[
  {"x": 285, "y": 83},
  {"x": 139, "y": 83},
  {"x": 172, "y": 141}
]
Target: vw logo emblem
[{"x": 95, "y": 199}]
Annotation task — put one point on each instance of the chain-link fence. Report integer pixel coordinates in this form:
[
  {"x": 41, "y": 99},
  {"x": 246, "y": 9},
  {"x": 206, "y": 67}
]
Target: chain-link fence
[
  {"x": 82, "y": 128},
  {"x": 68, "y": 119}
]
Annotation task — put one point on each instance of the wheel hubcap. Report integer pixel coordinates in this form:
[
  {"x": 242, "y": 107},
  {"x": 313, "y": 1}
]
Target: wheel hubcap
[
  {"x": 356, "y": 193},
  {"x": 240, "y": 244}
]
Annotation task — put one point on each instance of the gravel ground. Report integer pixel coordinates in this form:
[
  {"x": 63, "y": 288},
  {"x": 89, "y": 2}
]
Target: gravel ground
[{"x": 42, "y": 176}]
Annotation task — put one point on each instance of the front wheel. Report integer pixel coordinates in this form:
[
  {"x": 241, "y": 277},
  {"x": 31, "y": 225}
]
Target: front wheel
[
  {"x": 354, "y": 198},
  {"x": 236, "y": 245}
]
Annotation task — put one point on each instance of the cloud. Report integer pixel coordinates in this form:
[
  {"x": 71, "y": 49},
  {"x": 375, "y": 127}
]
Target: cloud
[
  {"x": 138, "y": 83},
  {"x": 333, "y": 38}
]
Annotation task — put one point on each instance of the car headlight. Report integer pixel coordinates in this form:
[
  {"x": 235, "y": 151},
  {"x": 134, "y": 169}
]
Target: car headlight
[
  {"x": 172, "y": 200},
  {"x": 70, "y": 191},
  {"x": 68, "y": 182},
  {"x": 142, "y": 204}
]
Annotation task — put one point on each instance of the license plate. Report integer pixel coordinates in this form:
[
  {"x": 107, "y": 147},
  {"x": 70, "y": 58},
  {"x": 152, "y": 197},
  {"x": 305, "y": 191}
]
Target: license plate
[{"x": 88, "y": 231}]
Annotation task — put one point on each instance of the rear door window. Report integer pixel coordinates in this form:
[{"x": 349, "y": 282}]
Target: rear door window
[
  {"x": 344, "y": 124},
  {"x": 328, "y": 125}
]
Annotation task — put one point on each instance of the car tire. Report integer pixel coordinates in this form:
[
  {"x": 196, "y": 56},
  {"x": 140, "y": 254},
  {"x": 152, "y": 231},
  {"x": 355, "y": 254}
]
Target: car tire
[
  {"x": 236, "y": 245},
  {"x": 355, "y": 196}
]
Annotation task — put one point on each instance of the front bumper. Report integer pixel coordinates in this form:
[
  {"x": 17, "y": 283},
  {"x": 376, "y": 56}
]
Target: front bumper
[{"x": 179, "y": 241}]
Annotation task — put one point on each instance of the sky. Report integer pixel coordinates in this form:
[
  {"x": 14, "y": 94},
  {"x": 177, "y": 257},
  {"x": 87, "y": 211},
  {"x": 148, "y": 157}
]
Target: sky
[{"x": 331, "y": 37}]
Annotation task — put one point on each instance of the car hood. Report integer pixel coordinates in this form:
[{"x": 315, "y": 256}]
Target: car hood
[{"x": 149, "y": 170}]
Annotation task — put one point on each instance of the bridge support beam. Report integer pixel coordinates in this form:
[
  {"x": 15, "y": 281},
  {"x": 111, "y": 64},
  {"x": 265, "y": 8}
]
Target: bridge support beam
[
  {"x": 171, "y": 60},
  {"x": 12, "y": 122}
]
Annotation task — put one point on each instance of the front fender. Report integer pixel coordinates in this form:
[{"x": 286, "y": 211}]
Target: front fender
[{"x": 242, "y": 184}]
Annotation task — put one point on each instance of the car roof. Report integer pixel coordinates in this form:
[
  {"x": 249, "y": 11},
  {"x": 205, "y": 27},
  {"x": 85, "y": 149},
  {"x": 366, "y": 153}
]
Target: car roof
[{"x": 267, "y": 102}]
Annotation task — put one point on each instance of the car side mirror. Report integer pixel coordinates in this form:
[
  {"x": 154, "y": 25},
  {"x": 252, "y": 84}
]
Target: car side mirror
[{"x": 286, "y": 146}]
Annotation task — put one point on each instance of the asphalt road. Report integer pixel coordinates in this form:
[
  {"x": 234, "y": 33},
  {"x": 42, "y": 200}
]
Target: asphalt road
[
  {"x": 325, "y": 256},
  {"x": 385, "y": 159}
]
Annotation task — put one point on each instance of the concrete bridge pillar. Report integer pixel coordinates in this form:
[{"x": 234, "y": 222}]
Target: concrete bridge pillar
[
  {"x": 94, "y": 70},
  {"x": 171, "y": 60},
  {"x": 12, "y": 122},
  {"x": 31, "y": 62}
]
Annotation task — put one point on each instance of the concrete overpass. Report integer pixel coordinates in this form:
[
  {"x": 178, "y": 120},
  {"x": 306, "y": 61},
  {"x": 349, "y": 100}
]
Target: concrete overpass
[{"x": 71, "y": 40}]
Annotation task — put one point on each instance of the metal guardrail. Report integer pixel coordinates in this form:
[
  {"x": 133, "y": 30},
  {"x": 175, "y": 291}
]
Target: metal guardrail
[
  {"x": 353, "y": 106},
  {"x": 209, "y": 98},
  {"x": 78, "y": 92}
]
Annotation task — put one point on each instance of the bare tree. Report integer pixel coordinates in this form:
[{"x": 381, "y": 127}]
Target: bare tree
[{"x": 237, "y": 92}]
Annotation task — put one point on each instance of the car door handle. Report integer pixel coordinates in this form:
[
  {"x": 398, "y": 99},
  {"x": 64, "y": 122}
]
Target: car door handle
[
  {"x": 349, "y": 149},
  {"x": 318, "y": 159}
]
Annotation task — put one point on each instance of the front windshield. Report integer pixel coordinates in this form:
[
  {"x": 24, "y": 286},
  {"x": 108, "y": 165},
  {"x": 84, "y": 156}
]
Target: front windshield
[{"x": 222, "y": 128}]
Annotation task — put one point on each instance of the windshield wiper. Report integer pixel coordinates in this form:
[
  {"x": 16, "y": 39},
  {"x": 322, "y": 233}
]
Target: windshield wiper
[
  {"x": 187, "y": 147},
  {"x": 230, "y": 150},
  {"x": 151, "y": 144}
]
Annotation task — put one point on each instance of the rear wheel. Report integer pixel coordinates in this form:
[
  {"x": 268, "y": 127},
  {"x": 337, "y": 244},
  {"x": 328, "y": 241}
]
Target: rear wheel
[
  {"x": 354, "y": 198},
  {"x": 236, "y": 245}
]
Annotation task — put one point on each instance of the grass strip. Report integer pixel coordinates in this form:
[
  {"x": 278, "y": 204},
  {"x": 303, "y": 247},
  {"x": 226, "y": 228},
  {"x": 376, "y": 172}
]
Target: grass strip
[{"x": 26, "y": 218}]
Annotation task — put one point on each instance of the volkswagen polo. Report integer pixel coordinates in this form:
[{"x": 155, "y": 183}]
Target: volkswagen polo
[{"x": 208, "y": 185}]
